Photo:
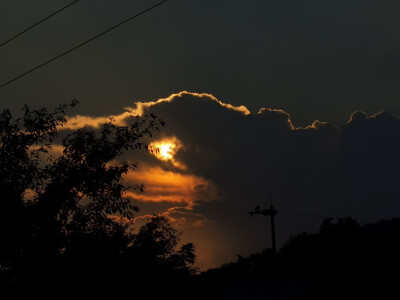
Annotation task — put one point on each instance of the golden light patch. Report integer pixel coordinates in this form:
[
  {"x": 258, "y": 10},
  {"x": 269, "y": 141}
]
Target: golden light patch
[
  {"x": 54, "y": 152},
  {"x": 168, "y": 186},
  {"x": 28, "y": 195},
  {"x": 176, "y": 195},
  {"x": 181, "y": 217},
  {"x": 166, "y": 150},
  {"x": 55, "y": 149}
]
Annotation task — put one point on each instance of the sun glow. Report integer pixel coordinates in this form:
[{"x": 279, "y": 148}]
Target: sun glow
[{"x": 166, "y": 150}]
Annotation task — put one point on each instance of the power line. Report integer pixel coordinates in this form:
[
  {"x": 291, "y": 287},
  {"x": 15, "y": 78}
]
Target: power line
[
  {"x": 37, "y": 23},
  {"x": 303, "y": 214},
  {"x": 82, "y": 44}
]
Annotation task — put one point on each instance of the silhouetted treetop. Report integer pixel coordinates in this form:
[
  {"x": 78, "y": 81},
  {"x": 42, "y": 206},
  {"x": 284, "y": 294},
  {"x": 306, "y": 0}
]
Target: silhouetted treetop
[
  {"x": 62, "y": 216},
  {"x": 155, "y": 252}
]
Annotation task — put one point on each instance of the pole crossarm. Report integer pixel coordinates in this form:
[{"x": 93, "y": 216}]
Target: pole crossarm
[
  {"x": 271, "y": 212},
  {"x": 265, "y": 212}
]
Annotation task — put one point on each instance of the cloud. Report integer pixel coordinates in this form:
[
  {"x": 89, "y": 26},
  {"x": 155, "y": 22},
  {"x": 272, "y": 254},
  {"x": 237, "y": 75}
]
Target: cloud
[
  {"x": 178, "y": 193},
  {"x": 319, "y": 169},
  {"x": 232, "y": 159},
  {"x": 169, "y": 186},
  {"x": 54, "y": 151},
  {"x": 276, "y": 116},
  {"x": 182, "y": 217},
  {"x": 141, "y": 107},
  {"x": 79, "y": 121},
  {"x": 370, "y": 164}
]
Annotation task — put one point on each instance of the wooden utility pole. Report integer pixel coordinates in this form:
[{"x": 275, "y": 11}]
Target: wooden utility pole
[
  {"x": 271, "y": 212},
  {"x": 268, "y": 212}
]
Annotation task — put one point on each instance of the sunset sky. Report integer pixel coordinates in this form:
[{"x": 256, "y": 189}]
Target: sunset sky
[{"x": 296, "y": 98}]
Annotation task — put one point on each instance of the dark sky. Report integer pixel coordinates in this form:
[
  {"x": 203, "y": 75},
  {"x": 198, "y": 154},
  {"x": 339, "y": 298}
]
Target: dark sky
[
  {"x": 314, "y": 59},
  {"x": 301, "y": 60}
]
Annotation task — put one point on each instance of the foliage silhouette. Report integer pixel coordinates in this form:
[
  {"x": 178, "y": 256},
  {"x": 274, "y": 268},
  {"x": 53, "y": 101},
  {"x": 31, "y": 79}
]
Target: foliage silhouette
[
  {"x": 342, "y": 261},
  {"x": 21, "y": 142},
  {"x": 66, "y": 225},
  {"x": 65, "y": 221},
  {"x": 156, "y": 245}
]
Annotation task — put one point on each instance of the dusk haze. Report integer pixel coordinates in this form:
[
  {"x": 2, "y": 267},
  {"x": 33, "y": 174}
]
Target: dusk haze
[{"x": 212, "y": 149}]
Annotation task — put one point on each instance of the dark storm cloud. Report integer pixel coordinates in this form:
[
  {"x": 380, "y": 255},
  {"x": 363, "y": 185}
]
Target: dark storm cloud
[
  {"x": 319, "y": 169},
  {"x": 229, "y": 159},
  {"x": 371, "y": 164}
]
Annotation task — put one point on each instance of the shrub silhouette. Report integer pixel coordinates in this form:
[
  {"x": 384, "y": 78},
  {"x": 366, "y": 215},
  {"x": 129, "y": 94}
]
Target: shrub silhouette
[{"x": 56, "y": 227}]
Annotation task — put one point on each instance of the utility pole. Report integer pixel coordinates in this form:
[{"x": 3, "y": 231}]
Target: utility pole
[{"x": 268, "y": 212}]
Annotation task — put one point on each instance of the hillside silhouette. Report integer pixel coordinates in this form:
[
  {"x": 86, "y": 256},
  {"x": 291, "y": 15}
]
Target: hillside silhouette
[{"x": 342, "y": 261}]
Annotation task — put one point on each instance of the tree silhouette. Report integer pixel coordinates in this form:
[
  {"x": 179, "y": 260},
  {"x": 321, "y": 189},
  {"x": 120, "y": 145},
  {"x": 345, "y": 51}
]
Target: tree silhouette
[
  {"x": 332, "y": 251},
  {"x": 21, "y": 142},
  {"x": 154, "y": 250},
  {"x": 347, "y": 260},
  {"x": 62, "y": 219},
  {"x": 343, "y": 260}
]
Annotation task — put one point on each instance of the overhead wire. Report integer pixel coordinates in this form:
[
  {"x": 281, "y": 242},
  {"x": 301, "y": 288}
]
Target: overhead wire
[
  {"x": 299, "y": 213},
  {"x": 82, "y": 44},
  {"x": 37, "y": 23},
  {"x": 304, "y": 214}
]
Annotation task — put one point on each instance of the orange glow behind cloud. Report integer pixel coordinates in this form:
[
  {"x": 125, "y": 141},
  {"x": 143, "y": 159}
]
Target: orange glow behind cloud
[
  {"x": 166, "y": 149},
  {"x": 168, "y": 186},
  {"x": 183, "y": 192}
]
